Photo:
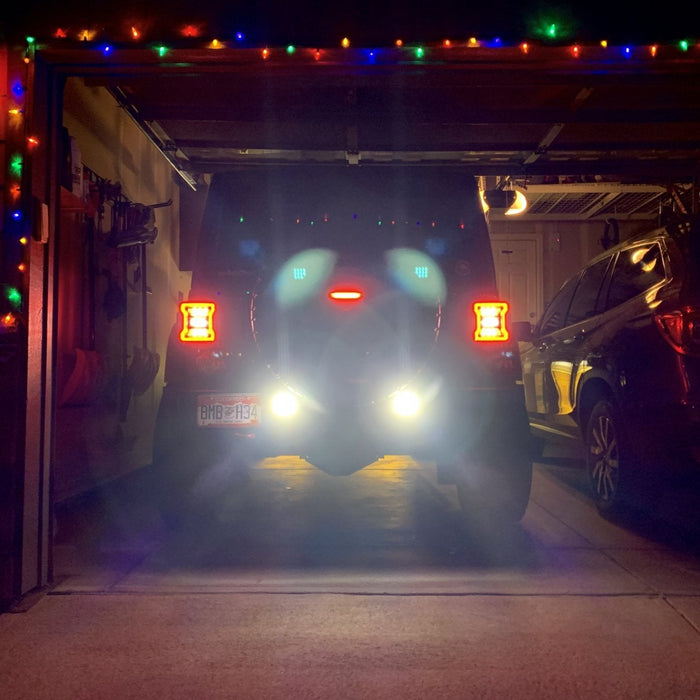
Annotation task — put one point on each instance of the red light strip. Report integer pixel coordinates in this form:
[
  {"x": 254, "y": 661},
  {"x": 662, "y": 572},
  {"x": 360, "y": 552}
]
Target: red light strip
[{"x": 345, "y": 294}]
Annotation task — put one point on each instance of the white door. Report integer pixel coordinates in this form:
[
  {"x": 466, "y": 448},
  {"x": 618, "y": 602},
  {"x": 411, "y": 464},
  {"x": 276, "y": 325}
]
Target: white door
[{"x": 518, "y": 262}]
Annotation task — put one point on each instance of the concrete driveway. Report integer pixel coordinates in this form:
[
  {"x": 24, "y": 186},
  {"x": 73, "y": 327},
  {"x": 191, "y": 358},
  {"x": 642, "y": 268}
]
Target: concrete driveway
[{"x": 368, "y": 586}]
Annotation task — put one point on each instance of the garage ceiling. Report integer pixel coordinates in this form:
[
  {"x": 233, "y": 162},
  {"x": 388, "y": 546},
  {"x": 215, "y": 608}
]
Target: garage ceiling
[{"x": 607, "y": 133}]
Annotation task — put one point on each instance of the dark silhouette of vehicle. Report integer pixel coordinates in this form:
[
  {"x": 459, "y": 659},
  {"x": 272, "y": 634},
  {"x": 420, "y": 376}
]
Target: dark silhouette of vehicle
[
  {"x": 341, "y": 314},
  {"x": 614, "y": 364}
]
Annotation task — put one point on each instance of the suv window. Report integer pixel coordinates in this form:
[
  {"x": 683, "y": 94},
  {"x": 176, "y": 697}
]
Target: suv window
[
  {"x": 585, "y": 302},
  {"x": 255, "y": 220},
  {"x": 555, "y": 314},
  {"x": 637, "y": 269}
]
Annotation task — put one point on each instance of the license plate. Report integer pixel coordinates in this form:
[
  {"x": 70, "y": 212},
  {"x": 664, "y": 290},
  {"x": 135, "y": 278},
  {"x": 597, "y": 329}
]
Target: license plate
[{"x": 223, "y": 410}]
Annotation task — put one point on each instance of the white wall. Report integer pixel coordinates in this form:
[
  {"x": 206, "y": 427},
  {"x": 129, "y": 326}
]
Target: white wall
[{"x": 566, "y": 245}]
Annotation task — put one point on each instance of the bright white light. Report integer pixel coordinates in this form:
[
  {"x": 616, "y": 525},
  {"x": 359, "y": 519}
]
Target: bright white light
[
  {"x": 284, "y": 404},
  {"x": 519, "y": 205},
  {"x": 405, "y": 403}
]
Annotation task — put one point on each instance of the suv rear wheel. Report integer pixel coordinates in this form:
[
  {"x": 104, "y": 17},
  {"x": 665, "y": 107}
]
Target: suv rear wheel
[
  {"x": 608, "y": 458},
  {"x": 625, "y": 476}
]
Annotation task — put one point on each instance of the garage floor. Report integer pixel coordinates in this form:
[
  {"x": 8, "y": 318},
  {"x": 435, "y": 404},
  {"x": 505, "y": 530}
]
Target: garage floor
[{"x": 368, "y": 586}]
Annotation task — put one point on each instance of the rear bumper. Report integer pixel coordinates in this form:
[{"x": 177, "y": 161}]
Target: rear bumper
[{"x": 342, "y": 438}]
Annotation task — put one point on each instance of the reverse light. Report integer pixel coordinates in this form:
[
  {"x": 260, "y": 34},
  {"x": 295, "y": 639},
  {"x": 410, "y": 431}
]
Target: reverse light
[
  {"x": 405, "y": 403},
  {"x": 284, "y": 404},
  {"x": 490, "y": 321},
  {"x": 197, "y": 321}
]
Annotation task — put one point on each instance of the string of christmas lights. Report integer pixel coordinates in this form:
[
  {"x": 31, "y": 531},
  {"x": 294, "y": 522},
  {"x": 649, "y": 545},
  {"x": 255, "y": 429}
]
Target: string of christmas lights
[
  {"x": 20, "y": 144},
  {"x": 374, "y": 221},
  {"x": 191, "y": 36}
]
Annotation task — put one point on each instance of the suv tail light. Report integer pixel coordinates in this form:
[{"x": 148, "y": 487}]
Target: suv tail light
[
  {"x": 681, "y": 329},
  {"x": 197, "y": 321},
  {"x": 490, "y": 321}
]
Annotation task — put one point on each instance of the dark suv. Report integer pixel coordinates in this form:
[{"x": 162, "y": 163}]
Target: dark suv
[
  {"x": 341, "y": 314},
  {"x": 614, "y": 363}
]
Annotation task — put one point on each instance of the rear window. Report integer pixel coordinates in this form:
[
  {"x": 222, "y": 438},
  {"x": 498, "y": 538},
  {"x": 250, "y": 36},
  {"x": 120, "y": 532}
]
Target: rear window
[
  {"x": 554, "y": 315},
  {"x": 256, "y": 219},
  {"x": 586, "y": 297},
  {"x": 637, "y": 269}
]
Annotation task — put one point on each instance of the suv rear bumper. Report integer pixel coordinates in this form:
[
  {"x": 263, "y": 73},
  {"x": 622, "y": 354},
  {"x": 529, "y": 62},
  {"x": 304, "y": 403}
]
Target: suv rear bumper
[{"x": 480, "y": 424}]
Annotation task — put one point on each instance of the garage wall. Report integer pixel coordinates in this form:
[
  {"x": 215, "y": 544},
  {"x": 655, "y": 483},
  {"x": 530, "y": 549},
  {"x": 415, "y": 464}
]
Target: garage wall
[{"x": 106, "y": 431}]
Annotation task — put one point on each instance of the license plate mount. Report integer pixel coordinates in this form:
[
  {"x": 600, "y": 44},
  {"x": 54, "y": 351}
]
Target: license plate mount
[{"x": 228, "y": 410}]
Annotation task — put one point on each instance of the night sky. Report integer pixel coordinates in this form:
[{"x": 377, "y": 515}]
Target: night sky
[{"x": 368, "y": 23}]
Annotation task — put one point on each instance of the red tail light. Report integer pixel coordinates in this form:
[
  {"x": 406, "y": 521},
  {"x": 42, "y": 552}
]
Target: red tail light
[
  {"x": 681, "y": 329},
  {"x": 490, "y": 319},
  {"x": 197, "y": 321}
]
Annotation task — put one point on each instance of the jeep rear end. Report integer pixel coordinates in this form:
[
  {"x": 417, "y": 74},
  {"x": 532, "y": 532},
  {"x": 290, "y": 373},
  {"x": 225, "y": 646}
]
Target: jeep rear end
[{"x": 341, "y": 314}]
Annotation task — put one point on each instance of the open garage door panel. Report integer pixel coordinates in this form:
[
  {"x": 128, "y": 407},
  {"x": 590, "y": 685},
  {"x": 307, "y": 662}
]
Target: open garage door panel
[{"x": 543, "y": 118}]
